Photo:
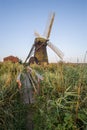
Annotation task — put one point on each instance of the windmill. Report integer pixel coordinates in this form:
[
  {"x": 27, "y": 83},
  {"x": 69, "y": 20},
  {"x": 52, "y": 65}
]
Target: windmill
[{"x": 39, "y": 48}]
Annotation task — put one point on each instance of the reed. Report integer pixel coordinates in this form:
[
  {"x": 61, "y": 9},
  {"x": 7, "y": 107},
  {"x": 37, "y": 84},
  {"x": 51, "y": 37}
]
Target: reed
[{"x": 61, "y": 105}]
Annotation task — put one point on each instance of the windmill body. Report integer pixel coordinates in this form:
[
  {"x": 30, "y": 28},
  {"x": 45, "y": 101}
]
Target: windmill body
[{"x": 41, "y": 50}]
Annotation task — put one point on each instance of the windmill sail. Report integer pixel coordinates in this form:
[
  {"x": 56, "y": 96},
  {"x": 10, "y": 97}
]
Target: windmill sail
[
  {"x": 30, "y": 53},
  {"x": 37, "y": 34},
  {"x": 56, "y": 50},
  {"x": 49, "y": 25}
]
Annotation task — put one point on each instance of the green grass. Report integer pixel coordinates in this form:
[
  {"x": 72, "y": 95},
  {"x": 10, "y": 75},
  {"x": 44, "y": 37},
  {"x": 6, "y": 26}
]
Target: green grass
[{"x": 61, "y": 105}]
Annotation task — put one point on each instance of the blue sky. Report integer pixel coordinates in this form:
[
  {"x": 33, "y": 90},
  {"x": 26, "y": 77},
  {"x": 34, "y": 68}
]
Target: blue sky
[{"x": 19, "y": 19}]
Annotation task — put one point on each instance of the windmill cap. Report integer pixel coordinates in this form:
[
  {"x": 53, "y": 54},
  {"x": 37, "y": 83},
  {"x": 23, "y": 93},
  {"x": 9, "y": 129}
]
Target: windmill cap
[{"x": 40, "y": 39}]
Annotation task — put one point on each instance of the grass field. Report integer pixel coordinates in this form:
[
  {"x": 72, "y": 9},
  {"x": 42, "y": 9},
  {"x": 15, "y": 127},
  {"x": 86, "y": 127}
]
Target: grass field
[{"x": 61, "y": 105}]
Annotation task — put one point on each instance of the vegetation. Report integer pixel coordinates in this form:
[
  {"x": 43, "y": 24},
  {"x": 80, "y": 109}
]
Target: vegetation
[
  {"x": 61, "y": 105},
  {"x": 12, "y": 111}
]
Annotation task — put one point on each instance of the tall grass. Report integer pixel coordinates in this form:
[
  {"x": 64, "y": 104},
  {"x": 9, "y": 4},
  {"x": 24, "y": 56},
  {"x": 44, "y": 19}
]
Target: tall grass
[
  {"x": 12, "y": 111},
  {"x": 61, "y": 105}
]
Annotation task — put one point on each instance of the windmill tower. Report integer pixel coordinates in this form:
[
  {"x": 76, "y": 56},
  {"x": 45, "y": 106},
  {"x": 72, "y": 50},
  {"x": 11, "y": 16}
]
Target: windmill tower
[{"x": 39, "y": 48}]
